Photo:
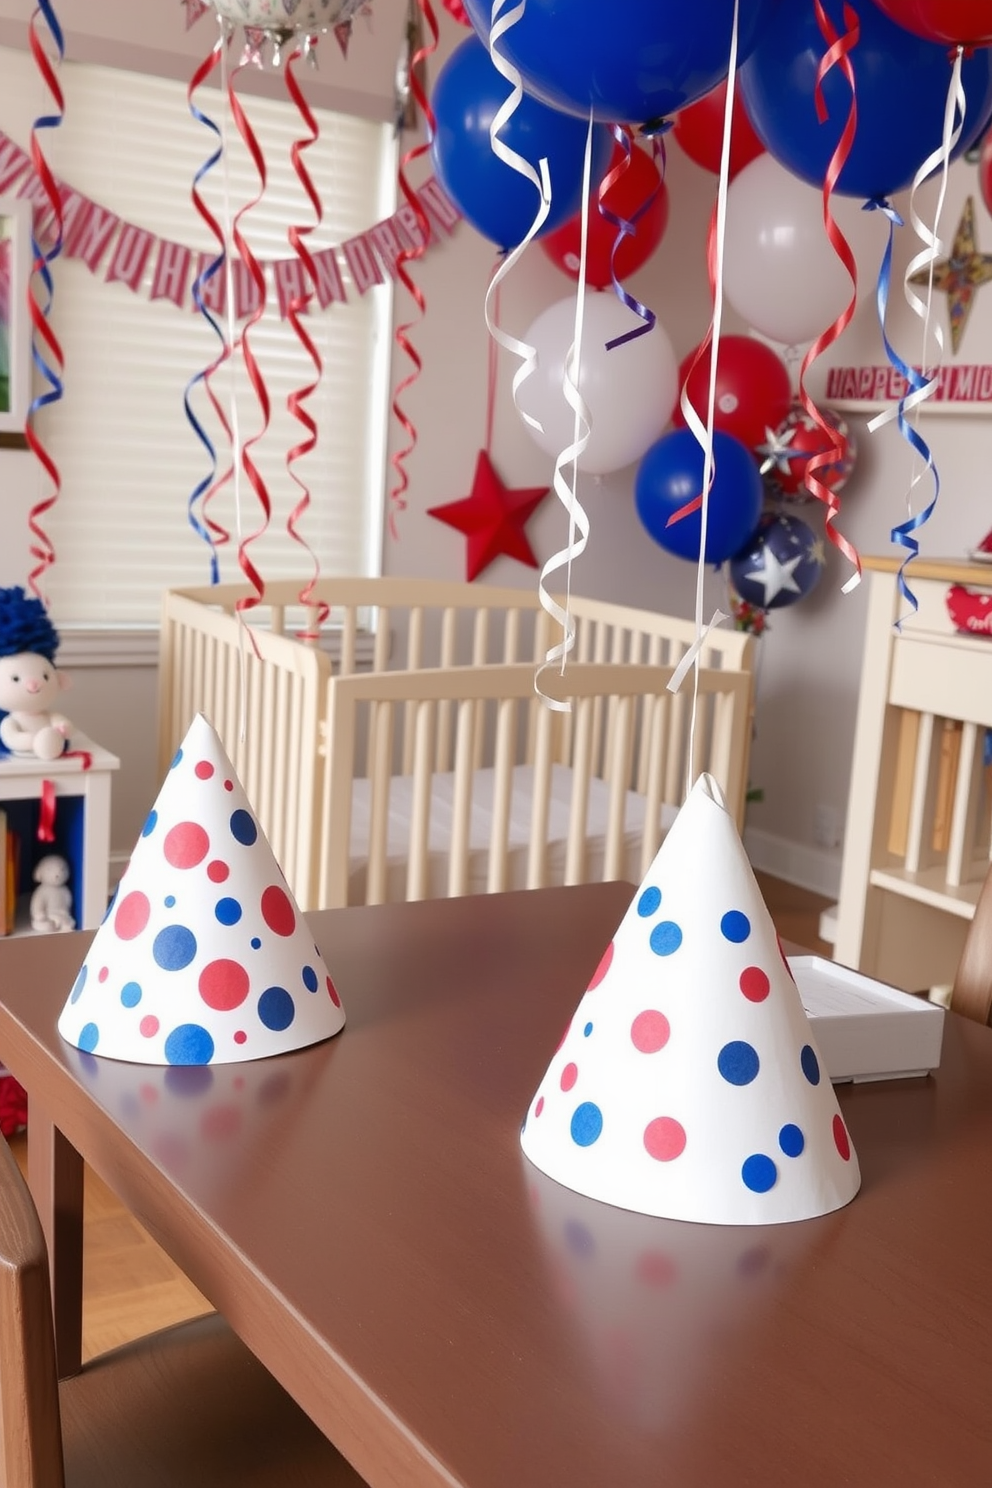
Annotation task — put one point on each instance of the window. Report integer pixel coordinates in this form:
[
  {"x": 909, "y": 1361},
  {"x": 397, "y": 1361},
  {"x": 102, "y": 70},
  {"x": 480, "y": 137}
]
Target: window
[{"x": 128, "y": 458}]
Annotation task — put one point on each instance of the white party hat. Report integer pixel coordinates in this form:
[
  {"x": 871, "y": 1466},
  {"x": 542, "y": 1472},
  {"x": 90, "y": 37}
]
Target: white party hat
[
  {"x": 203, "y": 956},
  {"x": 688, "y": 1083}
]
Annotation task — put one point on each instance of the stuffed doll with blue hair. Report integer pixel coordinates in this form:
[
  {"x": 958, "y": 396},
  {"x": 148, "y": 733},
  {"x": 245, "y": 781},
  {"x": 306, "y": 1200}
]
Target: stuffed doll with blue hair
[{"x": 30, "y": 682}]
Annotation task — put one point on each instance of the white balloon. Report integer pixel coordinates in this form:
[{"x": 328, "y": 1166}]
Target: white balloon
[
  {"x": 630, "y": 391},
  {"x": 780, "y": 271}
]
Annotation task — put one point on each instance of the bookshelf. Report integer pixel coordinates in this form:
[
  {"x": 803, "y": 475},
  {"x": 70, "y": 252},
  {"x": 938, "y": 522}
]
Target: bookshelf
[{"x": 81, "y": 824}]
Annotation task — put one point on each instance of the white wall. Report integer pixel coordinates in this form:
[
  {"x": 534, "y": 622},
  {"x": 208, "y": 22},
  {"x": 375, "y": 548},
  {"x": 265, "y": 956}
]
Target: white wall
[{"x": 810, "y": 657}]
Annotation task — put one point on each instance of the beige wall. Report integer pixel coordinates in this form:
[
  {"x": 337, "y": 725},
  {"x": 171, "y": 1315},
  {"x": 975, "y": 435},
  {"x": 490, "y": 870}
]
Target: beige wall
[{"x": 810, "y": 658}]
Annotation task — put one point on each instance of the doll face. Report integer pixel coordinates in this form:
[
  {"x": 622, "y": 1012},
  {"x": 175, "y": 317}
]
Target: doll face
[{"x": 29, "y": 683}]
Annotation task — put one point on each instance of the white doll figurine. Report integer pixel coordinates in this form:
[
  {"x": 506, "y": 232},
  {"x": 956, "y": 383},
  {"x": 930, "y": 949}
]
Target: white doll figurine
[
  {"x": 30, "y": 682},
  {"x": 51, "y": 901}
]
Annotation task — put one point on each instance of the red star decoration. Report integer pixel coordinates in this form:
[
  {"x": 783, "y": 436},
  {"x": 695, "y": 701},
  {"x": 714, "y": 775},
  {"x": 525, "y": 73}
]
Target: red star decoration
[{"x": 492, "y": 518}]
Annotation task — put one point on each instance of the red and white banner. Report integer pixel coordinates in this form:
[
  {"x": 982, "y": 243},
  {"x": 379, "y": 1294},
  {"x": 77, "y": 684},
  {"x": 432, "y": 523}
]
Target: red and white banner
[
  {"x": 956, "y": 383},
  {"x": 124, "y": 253}
]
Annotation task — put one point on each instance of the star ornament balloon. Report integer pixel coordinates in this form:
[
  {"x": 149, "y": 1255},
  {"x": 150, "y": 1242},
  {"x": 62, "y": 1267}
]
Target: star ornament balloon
[
  {"x": 492, "y": 518},
  {"x": 780, "y": 565},
  {"x": 787, "y": 450}
]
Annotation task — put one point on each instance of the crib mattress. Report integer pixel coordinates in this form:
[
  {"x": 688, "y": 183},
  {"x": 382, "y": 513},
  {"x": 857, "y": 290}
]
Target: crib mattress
[{"x": 480, "y": 828}]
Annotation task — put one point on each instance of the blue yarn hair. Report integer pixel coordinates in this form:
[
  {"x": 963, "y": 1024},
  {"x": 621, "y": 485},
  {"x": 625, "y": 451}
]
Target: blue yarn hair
[{"x": 25, "y": 626}]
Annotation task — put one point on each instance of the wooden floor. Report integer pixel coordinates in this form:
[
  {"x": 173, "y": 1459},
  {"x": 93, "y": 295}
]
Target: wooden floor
[{"x": 130, "y": 1287}]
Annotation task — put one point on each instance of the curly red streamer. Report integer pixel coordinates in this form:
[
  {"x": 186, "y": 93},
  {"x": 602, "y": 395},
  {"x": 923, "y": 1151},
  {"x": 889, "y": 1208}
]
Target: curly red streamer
[
  {"x": 296, "y": 402},
  {"x": 251, "y": 365},
  {"x": 399, "y": 458},
  {"x": 837, "y": 55}
]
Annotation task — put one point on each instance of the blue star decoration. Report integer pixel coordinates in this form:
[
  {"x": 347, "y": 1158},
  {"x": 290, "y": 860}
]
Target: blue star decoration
[
  {"x": 780, "y": 565},
  {"x": 492, "y": 518}
]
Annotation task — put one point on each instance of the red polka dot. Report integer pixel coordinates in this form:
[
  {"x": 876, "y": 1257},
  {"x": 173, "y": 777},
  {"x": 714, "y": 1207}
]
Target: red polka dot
[
  {"x": 754, "y": 984},
  {"x": 131, "y": 915},
  {"x": 650, "y": 1031},
  {"x": 228, "y": 785},
  {"x": 277, "y": 910},
  {"x": 103, "y": 973},
  {"x": 332, "y": 993},
  {"x": 656, "y": 1269},
  {"x": 217, "y": 871},
  {"x": 203, "y": 770},
  {"x": 148, "y": 1027},
  {"x": 540, "y": 1105},
  {"x": 602, "y": 968},
  {"x": 569, "y": 1075},
  {"x": 223, "y": 984},
  {"x": 664, "y": 1138},
  {"x": 564, "y": 1035},
  {"x": 841, "y": 1139},
  {"x": 186, "y": 844},
  {"x": 240, "y": 1037}
]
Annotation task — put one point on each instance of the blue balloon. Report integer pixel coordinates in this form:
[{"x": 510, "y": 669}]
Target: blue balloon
[
  {"x": 630, "y": 61},
  {"x": 498, "y": 200},
  {"x": 671, "y": 474},
  {"x": 780, "y": 565},
  {"x": 901, "y": 84}
]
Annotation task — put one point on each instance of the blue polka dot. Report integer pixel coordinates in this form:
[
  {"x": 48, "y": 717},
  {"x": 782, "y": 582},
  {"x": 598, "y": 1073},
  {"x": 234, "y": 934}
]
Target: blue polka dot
[
  {"x": 174, "y": 947},
  {"x": 666, "y": 938},
  {"x": 243, "y": 828},
  {"x": 649, "y": 902},
  {"x": 151, "y": 822},
  {"x": 189, "y": 1044},
  {"x": 176, "y": 758},
  {"x": 169, "y": 901},
  {"x": 738, "y": 1062},
  {"x": 276, "y": 1009},
  {"x": 110, "y": 907},
  {"x": 735, "y": 926},
  {"x": 89, "y": 1037},
  {"x": 130, "y": 994},
  {"x": 310, "y": 979},
  {"x": 78, "y": 985},
  {"x": 791, "y": 1140},
  {"x": 759, "y": 1173},
  {"x": 587, "y": 1030},
  {"x": 255, "y": 943},
  {"x": 228, "y": 911},
  {"x": 587, "y": 1123},
  {"x": 810, "y": 1064}
]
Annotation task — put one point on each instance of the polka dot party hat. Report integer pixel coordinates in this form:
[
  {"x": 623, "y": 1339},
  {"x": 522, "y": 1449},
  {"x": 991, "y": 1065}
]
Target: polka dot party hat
[
  {"x": 203, "y": 956},
  {"x": 688, "y": 1083}
]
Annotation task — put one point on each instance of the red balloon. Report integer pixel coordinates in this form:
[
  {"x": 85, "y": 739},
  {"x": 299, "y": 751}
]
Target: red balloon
[
  {"x": 456, "y": 8},
  {"x": 753, "y": 391},
  {"x": 985, "y": 170},
  {"x": 953, "y": 22},
  {"x": 786, "y": 454},
  {"x": 699, "y": 130},
  {"x": 625, "y": 197}
]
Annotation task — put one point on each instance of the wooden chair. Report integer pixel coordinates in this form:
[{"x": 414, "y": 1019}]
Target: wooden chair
[
  {"x": 971, "y": 993},
  {"x": 187, "y": 1407}
]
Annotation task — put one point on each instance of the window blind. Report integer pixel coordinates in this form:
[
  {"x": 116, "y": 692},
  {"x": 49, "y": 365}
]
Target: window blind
[{"x": 128, "y": 459}]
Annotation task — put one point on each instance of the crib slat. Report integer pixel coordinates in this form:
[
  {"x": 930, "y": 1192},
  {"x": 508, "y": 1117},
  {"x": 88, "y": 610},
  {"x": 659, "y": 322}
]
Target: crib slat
[
  {"x": 449, "y": 637},
  {"x": 381, "y": 747},
  {"x": 417, "y": 878},
  {"x": 511, "y": 635},
  {"x": 414, "y": 653},
  {"x": 575, "y": 848},
  {"x": 655, "y": 711},
  {"x": 618, "y": 780},
  {"x": 922, "y": 800},
  {"x": 536, "y": 852},
  {"x": 462, "y": 799},
  {"x": 480, "y": 655},
  {"x": 506, "y": 725},
  {"x": 349, "y": 627},
  {"x": 964, "y": 812}
]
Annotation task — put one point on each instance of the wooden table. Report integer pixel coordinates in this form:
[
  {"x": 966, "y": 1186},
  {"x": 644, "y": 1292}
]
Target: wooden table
[{"x": 362, "y": 1213}]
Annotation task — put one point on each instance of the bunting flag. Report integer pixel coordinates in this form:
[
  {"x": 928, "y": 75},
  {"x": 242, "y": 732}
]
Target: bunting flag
[{"x": 123, "y": 252}]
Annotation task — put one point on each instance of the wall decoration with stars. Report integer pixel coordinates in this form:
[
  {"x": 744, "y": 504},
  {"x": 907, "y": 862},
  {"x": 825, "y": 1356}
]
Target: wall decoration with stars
[
  {"x": 961, "y": 274},
  {"x": 492, "y": 517}
]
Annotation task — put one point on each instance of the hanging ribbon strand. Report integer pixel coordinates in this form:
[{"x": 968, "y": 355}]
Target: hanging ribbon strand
[
  {"x": 626, "y": 227},
  {"x": 251, "y": 365},
  {"x": 207, "y": 531},
  {"x": 299, "y": 397},
  {"x": 46, "y": 352},
  {"x": 919, "y": 385},
  {"x": 837, "y": 55},
  {"x": 410, "y": 251}
]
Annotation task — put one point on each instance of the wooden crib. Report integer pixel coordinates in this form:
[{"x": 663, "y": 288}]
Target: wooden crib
[{"x": 400, "y": 751}]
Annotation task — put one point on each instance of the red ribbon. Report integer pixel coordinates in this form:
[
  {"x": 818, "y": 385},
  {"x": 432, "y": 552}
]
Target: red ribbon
[
  {"x": 837, "y": 55},
  {"x": 399, "y": 457}
]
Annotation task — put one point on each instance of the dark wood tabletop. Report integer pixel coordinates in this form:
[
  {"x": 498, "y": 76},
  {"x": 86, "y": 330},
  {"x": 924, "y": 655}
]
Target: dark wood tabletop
[{"x": 363, "y": 1215}]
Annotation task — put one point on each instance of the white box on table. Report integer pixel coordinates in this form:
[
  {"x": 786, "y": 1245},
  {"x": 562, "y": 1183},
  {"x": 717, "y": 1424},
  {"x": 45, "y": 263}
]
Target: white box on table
[{"x": 865, "y": 1029}]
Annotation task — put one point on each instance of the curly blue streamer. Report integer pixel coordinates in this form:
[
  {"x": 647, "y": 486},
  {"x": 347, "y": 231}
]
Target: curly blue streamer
[
  {"x": 202, "y": 279},
  {"x": 625, "y": 227},
  {"x": 40, "y": 257},
  {"x": 902, "y": 534}
]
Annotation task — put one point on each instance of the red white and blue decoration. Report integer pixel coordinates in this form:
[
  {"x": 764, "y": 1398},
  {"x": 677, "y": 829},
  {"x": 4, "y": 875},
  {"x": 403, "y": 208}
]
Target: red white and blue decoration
[
  {"x": 688, "y": 1084},
  {"x": 787, "y": 449},
  {"x": 781, "y": 564},
  {"x": 492, "y": 518},
  {"x": 203, "y": 956}
]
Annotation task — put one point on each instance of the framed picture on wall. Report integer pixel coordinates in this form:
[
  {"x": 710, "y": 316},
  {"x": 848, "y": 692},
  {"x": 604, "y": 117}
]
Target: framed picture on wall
[{"x": 15, "y": 328}]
